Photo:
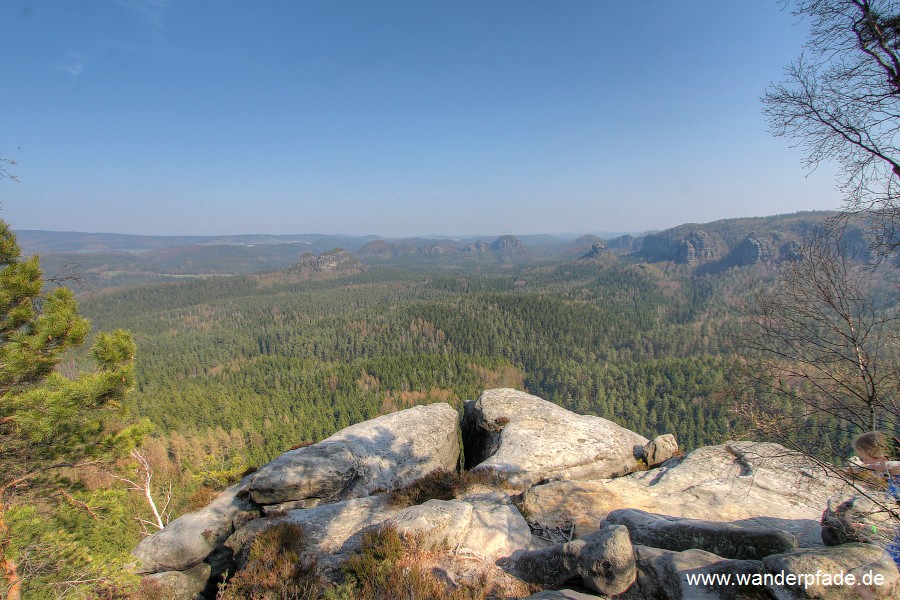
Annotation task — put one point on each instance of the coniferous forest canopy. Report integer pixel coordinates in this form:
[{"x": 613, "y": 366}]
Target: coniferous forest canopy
[{"x": 252, "y": 365}]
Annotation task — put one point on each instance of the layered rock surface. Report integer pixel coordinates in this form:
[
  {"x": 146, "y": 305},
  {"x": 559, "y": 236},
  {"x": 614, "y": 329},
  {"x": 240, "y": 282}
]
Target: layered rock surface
[{"x": 380, "y": 454}]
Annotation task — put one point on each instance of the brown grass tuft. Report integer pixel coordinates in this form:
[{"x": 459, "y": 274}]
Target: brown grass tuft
[
  {"x": 389, "y": 566},
  {"x": 276, "y": 568},
  {"x": 442, "y": 484}
]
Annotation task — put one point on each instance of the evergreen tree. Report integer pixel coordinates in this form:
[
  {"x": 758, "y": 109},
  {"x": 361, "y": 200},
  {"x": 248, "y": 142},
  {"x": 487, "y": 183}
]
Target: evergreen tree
[{"x": 50, "y": 424}]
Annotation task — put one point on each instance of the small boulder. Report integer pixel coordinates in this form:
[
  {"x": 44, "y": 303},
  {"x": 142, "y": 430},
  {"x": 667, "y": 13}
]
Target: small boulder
[
  {"x": 530, "y": 439},
  {"x": 603, "y": 560},
  {"x": 660, "y": 449},
  {"x": 825, "y": 572},
  {"x": 380, "y": 454},
  {"x": 724, "y": 539}
]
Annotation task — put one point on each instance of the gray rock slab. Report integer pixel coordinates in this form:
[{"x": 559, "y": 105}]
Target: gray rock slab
[
  {"x": 191, "y": 538},
  {"x": 332, "y": 530},
  {"x": 531, "y": 439},
  {"x": 874, "y": 572},
  {"x": 727, "y": 540},
  {"x": 376, "y": 455},
  {"x": 497, "y": 529},
  {"x": 756, "y": 484}
]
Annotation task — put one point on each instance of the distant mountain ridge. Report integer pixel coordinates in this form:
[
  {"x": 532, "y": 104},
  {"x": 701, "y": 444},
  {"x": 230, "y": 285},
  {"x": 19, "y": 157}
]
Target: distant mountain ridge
[
  {"x": 738, "y": 242},
  {"x": 121, "y": 259}
]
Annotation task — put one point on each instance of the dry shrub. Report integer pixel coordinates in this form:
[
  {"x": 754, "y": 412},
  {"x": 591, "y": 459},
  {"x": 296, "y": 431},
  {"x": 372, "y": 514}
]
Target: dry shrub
[
  {"x": 299, "y": 445},
  {"x": 203, "y": 496},
  {"x": 276, "y": 568},
  {"x": 389, "y": 566},
  {"x": 442, "y": 484},
  {"x": 489, "y": 477}
]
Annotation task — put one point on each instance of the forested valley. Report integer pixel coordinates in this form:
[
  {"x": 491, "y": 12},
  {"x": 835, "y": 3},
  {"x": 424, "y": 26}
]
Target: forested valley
[{"x": 232, "y": 371}]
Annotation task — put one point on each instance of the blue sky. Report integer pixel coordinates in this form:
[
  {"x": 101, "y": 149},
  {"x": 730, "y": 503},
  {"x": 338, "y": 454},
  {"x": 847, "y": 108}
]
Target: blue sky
[{"x": 394, "y": 118}]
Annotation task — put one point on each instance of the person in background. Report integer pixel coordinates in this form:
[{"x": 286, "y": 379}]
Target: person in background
[{"x": 873, "y": 450}]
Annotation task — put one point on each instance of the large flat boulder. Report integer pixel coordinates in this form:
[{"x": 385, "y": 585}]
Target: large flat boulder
[
  {"x": 530, "y": 439},
  {"x": 746, "y": 483},
  {"x": 380, "y": 454},
  {"x": 191, "y": 538},
  {"x": 435, "y": 523}
]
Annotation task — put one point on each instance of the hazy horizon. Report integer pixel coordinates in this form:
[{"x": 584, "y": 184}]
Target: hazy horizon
[{"x": 163, "y": 117}]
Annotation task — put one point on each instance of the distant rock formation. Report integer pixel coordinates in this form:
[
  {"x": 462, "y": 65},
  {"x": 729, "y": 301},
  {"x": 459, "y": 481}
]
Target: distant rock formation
[
  {"x": 476, "y": 248},
  {"x": 505, "y": 243},
  {"x": 624, "y": 243},
  {"x": 790, "y": 251},
  {"x": 597, "y": 250},
  {"x": 742, "y": 507},
  {"x": 752, "y": 250},
  {"x": 693, "y": 248},
  {"x": 696, "y": 248},
  {"x": 336, "y": 261},
  {"x": 385, "y": 249}
]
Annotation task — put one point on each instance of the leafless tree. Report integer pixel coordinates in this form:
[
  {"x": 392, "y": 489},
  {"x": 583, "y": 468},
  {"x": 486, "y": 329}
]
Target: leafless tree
[
  {"x": 143, "y": 482},
  {"x": 821, "y": 362},
  {"x": 820, "y": 340},
  {"x": 841, "y": 101}
]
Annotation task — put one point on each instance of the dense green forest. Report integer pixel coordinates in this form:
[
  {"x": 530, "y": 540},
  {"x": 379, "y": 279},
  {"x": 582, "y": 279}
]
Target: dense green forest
[{"x": 253, "y": 365}]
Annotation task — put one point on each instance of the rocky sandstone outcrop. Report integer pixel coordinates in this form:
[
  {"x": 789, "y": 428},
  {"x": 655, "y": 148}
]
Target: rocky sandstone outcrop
[
  {"x": 739, "y": 508},
  {"x": 529, "y": 439},
  {"x": 380, "y": 454}
]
